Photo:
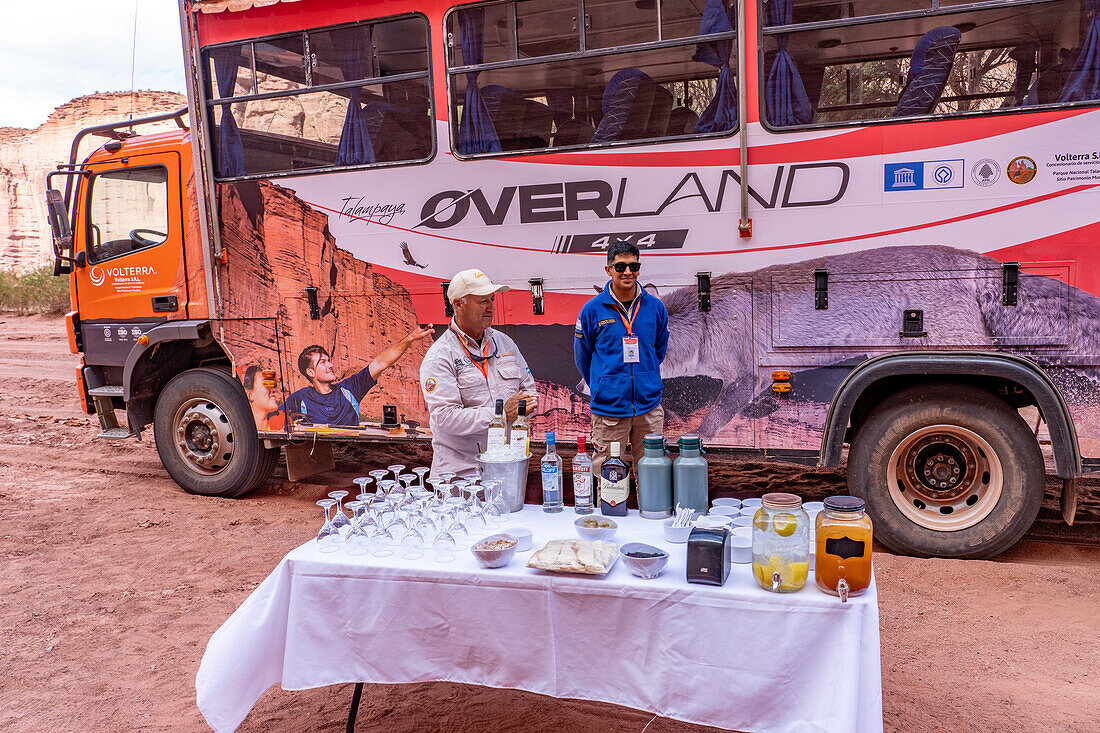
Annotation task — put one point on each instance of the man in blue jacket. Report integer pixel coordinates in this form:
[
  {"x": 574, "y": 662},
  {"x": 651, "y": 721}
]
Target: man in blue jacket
[{"x": 619, "y": 344}]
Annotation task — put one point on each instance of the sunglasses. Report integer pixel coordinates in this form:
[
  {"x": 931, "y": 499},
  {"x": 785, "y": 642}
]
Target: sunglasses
[{"x": 621, "y": 266}]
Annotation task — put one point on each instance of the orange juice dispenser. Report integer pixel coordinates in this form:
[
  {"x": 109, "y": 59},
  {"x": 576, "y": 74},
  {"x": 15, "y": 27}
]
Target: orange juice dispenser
[{"x": 843, "y": 564}]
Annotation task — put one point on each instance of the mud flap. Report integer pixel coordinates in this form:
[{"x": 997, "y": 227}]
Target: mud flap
[
  {"x": 1069, "y": 500},
  {"x": 308, "y": 459}
]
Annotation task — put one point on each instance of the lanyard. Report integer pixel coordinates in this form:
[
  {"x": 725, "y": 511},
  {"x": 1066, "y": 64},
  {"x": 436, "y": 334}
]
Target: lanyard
[
  {"x": 632, "y": 314},
  {"x": 481, "y": 364}
]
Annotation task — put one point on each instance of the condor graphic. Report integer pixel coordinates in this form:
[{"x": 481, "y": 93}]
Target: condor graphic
[{"x": 570, "y": 200}]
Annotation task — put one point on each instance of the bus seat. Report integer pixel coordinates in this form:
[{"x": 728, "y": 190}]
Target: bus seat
[
  {"x": 1048, "y": 85},
  {"x": 681, "y": 121},
  {"x": 538, "y": 121},
  {"x": 397, "y": 133},
  {"x": 929, "y": 67},
  {"x": 627, "y": 101},
  {"x": 573, "y": 132},
  {"x": 659, "y": 113}
]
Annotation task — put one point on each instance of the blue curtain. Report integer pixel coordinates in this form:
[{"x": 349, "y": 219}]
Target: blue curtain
[
  {"x": 353, "y": 56},
  {"x": 784, "y": 94},
  {"x": 228, "y": 144},
  {"x": 476, "y": 133},
  {"x": 1084, "y": 80},
  {"x": 721, "y": 114}
]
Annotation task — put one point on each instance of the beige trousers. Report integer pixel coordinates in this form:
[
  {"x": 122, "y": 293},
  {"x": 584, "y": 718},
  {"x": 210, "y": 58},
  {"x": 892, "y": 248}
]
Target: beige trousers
[{"x": 624, "y": 430}]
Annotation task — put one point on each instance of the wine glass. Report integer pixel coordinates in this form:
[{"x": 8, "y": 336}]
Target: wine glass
[
  {"x": 395, "y": 469},
  {"x": 407, "y": 480},
  {"x": 421, "y": 472},
  {"x": 362, "y": 482},
  {"x": 444, "y": 547},
  {"x": 328, "y": 539},
  {"x": 380, "y": 542},
  {"x": 339, "y": 519},
  {"x": 412, "y": 544},
  {"x": 377, "y": 475},
  {"x": 358, "y": 541}
]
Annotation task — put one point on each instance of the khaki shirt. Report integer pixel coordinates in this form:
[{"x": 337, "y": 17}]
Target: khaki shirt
[{"x": 461, "y": 400}]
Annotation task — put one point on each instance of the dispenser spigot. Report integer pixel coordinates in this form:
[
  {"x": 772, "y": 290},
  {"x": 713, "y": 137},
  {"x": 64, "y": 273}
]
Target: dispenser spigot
[
  {"x": 777, "y": 580},
  {"x": 842, "y": 590}
]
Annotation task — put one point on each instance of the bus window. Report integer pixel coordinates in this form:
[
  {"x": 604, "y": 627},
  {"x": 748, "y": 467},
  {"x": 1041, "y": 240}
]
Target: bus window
[
  {"x": 629, "y": 71},
  {"x": 846, "y": 67},
  {"x": 362, "y": 99}
]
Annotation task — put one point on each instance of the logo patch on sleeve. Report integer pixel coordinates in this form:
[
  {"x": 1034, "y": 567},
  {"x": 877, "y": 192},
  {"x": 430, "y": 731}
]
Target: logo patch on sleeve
[
  {"x": 429, "y": 385},
  {"x": 604, "y": 322}
]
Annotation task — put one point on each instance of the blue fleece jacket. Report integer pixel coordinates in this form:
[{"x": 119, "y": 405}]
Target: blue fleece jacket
[{"x": 619, "y": 389}]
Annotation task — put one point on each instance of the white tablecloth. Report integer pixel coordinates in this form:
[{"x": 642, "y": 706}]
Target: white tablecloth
[{"x": 733, "y": 656}]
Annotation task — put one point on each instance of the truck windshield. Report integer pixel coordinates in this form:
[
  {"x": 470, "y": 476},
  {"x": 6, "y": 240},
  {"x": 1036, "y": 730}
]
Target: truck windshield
[{"x": 128, "y": 212}]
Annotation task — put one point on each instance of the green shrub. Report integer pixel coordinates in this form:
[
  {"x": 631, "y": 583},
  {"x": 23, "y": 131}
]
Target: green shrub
[{"x": 37, "y": 291}]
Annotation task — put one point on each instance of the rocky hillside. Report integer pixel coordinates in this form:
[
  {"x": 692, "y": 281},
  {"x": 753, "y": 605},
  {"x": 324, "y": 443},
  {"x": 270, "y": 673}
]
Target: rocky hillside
[{"x": 26, "y": 156}]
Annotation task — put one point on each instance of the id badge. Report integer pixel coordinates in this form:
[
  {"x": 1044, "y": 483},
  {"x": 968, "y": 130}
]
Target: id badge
[{"x": 630, "y": 349}]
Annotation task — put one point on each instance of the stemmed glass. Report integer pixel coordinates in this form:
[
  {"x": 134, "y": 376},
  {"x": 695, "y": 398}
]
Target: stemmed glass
[
  {"x": 339, "y": 519},
  {"x": 395, "y": 469},
  {"x": 328, "y": 539},
  {"x": 406, "y": 480},
  {"x": 444, "y": 548},
  {"x": 495, "y": 490},
  {"x": 378, "y": 475},
  {"x": 421, "y": 472},
  {"x": 358, "y": 540},
  {"x": 362, "y": 482}
]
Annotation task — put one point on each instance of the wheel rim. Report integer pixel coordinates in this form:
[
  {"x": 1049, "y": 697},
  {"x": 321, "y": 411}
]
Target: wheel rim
[
  {"x": 945, "y": 477},
  {"x": 204, "y": 436}
]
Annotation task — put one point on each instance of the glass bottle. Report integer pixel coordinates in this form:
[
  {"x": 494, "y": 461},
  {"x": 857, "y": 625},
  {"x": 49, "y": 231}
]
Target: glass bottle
[
  {"x": 497, "y": 431},
  {"x": 781, "y": 543},
  {"x": 614, "y": 484},
  {"x": 521, "y": 432},
  {"x": 551, "y": 478},
  {"x": 843, "y": 553},
  {"x": 582, "y": 479},
  {"x": 654, "y": 479},
  {"x": 689, "y": 475}
]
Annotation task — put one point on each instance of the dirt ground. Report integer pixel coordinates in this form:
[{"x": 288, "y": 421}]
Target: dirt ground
[{"x": 112, "y": 580}]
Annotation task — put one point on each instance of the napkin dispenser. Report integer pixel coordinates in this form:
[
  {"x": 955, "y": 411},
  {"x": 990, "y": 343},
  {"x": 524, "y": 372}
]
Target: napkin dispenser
[{"x": 708, "y": 555}]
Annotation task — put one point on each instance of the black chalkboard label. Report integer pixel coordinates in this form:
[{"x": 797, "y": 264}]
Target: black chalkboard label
[{"x": 843, "y": 547}]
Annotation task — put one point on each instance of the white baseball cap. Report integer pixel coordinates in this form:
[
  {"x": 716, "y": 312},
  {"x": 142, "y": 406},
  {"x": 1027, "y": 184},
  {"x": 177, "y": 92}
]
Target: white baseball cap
[{"x": 472, "y": 282}]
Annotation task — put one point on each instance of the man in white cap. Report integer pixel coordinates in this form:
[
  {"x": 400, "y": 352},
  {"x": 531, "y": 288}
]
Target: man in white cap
[{"x": 466, "y": 371}]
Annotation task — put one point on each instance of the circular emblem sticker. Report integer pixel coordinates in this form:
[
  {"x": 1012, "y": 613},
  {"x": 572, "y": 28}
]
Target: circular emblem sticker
[
  {"x": 985, "y": 172},
  {"x": 429, "y": 385},
  {"x": 1021, "y": 170},
  {"x": 97, "y": 276}
]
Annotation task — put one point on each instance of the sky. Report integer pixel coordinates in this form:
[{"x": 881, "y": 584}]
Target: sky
[{"x": 56, "y": 50}]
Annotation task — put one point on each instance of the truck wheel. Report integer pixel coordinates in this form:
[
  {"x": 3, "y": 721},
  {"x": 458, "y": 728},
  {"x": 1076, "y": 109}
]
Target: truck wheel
[
  {"x": 947, "y": 471},
  {"x": 205, "y": 435}
]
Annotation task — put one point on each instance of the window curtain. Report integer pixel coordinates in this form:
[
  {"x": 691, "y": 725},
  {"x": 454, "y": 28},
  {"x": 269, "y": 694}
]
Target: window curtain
[
  {"x": 784, "y": 94},
  {"x": 476, "y": 133},
  {"x": 1084, "y": 81},
  {"x": 229, "y": 147},
  {"x": 353, "y": 55},
  {"x": 721, "y": 114}
]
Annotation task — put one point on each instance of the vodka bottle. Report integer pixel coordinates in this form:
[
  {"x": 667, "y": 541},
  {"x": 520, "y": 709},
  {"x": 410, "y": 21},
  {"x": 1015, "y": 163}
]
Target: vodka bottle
[
  {"x": 582, "y": 479},
  {"x": 497, "y": 429},
  {"x": 551, "y": 478},
  {"x": 614, "y": 485},
  {"x": 521, "y": 432}
]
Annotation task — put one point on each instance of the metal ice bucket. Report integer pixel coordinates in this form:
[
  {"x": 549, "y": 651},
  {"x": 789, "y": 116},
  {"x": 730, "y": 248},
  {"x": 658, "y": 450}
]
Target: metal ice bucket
[{"x": 512, "y": 474}]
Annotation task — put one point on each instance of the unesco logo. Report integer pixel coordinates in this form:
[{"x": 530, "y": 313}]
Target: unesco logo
[
  {"x": 943, "y": 174},
  {"x": 97, "y": 276}
]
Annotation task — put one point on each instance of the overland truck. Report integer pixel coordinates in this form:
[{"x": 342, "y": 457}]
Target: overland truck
[{"x": 874, "y": 224}]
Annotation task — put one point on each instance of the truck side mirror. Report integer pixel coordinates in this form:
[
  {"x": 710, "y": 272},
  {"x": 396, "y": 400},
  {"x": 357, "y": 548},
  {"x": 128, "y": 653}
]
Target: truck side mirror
[{"x": 62, "y": 233}]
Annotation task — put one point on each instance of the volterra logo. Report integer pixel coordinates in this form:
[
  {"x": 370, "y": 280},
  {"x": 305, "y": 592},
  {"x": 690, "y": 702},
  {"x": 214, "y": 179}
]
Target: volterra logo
[
  {"x": 97, "y": 276},
  {"x": 119, "y": 275}
]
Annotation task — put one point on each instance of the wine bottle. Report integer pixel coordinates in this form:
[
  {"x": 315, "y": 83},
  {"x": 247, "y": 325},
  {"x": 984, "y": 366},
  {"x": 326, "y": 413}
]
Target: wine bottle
[
  {"x": 521, "y": 432},
  {"x": 497, "y": 430}
]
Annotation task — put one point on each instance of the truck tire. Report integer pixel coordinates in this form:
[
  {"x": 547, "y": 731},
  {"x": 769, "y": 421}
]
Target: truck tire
[
  {"x": 205, "y": 435},
  {"x": 947, "y": 471}
]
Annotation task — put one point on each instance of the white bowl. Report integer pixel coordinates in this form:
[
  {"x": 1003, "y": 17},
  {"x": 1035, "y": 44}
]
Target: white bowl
[
  {"x": 643, "y": 567},
  {"x": 751, "y": 501},
  {"x": 596, "y": 533},
  {"x": 742, "y": 532},
  {"x": 677, "y": 535},
  {"x": 749, "y": 511},
  {"x": 742, "y": 521},
  {"x": 741, "y": 549},
  {"x": 724, "y": 511},
  {"x": 523, "y": 537},
  {"x": 495, "y": 558},
  {"x": 727, "y": 501}
]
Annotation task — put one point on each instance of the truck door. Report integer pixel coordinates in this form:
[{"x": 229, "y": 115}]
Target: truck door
[{"x": 131, "y": 232}]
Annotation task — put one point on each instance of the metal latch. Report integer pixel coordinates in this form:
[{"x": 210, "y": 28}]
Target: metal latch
[
  {"x": 703, "y": 280},
  {"x": 311, "y": 298},
  {"x": 912, "y": 324},
  {"x": 537, "y": 306},
  {"x": 447, "y": 307},
  {"x": 1010, "y": 283},
  {"x": 821, "y": 289}
]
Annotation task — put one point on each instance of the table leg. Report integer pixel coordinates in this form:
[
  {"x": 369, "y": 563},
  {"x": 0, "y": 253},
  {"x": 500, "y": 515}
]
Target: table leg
[{"x": 355, "y": 696}]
